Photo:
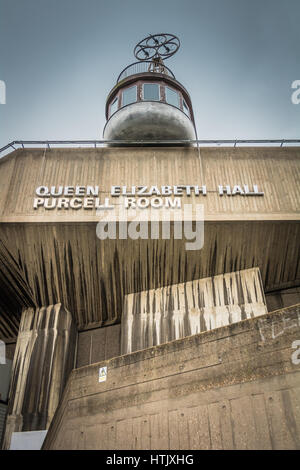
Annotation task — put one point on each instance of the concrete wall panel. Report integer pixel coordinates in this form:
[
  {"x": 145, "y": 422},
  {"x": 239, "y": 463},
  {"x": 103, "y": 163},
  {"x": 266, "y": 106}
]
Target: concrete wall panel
[{"x": 235, "y": 387}]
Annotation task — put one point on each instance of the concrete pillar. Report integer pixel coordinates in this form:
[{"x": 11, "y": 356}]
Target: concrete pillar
[{"x": 43, "y": 359}]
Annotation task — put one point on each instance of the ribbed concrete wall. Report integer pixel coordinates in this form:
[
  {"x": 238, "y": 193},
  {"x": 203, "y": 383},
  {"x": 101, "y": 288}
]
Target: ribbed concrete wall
[
  {"x": 160, "y": 315},
  {"x": 66, "y": 263},
  {"x": 236, "y": 387},
  {"x": 43, "y": 359}
]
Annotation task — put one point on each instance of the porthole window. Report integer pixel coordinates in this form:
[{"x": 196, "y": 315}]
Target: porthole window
[
  {"x": 114, "y": 106},
  {"x": 151, "y": 92},
  {"x": 129, "y": 95},
  {"x": 186, "y": 108},
  {"x": 172, "y": 97}
]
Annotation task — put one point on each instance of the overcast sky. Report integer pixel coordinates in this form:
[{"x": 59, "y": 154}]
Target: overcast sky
[{"x": 60, "y": 58}]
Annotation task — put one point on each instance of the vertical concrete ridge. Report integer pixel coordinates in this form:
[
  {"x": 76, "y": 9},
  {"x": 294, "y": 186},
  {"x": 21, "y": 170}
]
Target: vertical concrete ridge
[{"x": 43, "y": 359}]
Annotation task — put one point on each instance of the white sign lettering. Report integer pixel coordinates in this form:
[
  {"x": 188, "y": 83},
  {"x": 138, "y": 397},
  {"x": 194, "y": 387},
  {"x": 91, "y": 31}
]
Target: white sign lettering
[{"x": 87, "y": 197}]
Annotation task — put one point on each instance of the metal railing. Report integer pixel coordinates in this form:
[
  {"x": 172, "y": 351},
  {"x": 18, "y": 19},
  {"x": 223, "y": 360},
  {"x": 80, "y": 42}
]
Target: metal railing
[
  {"x": 143, "y": 67},
  {"x": 16, "y": 144}
]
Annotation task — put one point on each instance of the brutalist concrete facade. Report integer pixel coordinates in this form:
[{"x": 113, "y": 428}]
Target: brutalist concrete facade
[{"x": 234, "y": 386}]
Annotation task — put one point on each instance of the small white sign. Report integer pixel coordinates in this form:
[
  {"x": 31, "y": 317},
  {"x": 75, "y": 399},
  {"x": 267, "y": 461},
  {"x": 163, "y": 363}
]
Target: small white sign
[{"x": 102, "y": 374}]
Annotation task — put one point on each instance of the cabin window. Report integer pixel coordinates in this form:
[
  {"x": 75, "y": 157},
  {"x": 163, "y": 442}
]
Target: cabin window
[
  {"x": 151, "y": 92},
  {"x": 114, "y": 106},
  {"x": 172, "y": 97},
  {"x": 129, "y": 95}
]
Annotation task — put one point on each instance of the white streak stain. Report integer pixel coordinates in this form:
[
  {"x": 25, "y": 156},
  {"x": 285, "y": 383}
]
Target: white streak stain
[{"x": 219, "y": 300}]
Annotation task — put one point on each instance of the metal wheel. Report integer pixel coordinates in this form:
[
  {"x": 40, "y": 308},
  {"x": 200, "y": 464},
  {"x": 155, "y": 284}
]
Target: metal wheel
[{"x": 157, "y": 45}]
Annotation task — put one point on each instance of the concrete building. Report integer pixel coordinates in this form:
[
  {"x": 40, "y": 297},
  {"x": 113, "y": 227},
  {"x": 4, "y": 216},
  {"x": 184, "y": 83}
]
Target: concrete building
[{"x": 142, "y": 341}]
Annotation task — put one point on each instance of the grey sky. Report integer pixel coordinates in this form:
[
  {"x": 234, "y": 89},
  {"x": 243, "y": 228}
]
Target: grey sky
[{"x": 60, "y": 58}]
